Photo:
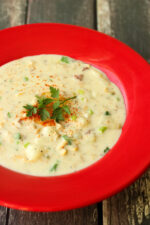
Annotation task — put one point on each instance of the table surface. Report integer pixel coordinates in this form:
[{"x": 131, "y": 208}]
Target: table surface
[{"x": 128, "y": 21}]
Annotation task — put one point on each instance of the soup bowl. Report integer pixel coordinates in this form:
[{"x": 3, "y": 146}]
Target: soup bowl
[{"x": 126, "y": 160}]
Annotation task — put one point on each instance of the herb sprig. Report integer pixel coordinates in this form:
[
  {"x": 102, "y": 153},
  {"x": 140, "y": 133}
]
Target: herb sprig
[{"x": 58, "y": 108}]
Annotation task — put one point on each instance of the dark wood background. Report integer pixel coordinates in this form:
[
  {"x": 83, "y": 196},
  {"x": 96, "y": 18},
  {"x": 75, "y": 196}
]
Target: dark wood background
[{"x": 128, "y": 21}]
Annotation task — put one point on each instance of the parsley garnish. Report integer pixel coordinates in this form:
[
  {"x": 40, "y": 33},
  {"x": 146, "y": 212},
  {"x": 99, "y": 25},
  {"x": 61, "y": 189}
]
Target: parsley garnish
[
  {"x": 106, "y": 149},
  {"x": 107, "y": 113},
  {"x": 54, "y": 167},
  {"x": 54, "y": 92},
  {"x": 44, "y": 114},
  {"x": 31, "y": 110},
  {"x": 9, "y": 115},
  {"x": 65, "y": 59},
  {"x": 58, "y": 108},
  {"x": 58, "y": 114},
  {"x": 67, "y": 139}
]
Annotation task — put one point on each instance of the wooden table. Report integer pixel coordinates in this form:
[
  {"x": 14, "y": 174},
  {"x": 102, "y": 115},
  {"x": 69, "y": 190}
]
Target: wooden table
[{"x": 127, "y": 20}]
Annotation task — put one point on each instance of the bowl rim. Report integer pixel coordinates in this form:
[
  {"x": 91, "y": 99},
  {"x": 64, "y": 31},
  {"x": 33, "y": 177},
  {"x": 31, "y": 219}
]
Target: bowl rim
[{"x": 31, "y": 186}]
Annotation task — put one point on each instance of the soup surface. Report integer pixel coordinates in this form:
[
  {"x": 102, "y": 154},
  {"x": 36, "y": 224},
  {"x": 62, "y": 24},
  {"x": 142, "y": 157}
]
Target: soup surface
[{"x": 57, "y": 115}]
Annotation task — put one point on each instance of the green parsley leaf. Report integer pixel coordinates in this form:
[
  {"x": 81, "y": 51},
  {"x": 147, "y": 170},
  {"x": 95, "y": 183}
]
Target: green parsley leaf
[
  {"x": 58, "y": 114},
  {"x": 54, "y": 167},
  {"x": 67, "y": 139},
  {"x": 42, "y": 101},
  {"x": 106, "y": 149},
  {"x": 67, "y": 99},
  {"x": 107, "y": 113},
  {"x": 66, "y": 109},
  {"x": 64, "y": 59},
  {"x": 31, "y": 110},
  {"x": 54, "y": 92},
  {"x": 56, "y": 105},
  {"x": 44, "y": 114},
  {"x": 9, "y": 115}
]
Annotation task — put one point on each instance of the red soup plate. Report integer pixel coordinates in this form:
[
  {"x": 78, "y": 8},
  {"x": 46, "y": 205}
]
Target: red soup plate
[{"x": 126, "y": 160}]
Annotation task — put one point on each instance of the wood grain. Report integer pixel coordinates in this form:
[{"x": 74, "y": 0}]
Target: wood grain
[
  {"x": 128, "y": 21},
  {"x": 12, "y": 13},
  {"x": 78, "y": 12},
  {"x": 3, "y": 215},
  {"x": 124, "y": 20},
  {"x": 131, "y": 206},
  {"x": 83, "y": 216}
]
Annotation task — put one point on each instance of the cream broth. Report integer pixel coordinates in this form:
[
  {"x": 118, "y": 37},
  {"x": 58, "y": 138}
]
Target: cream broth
[{"x": 94, "y": 124}]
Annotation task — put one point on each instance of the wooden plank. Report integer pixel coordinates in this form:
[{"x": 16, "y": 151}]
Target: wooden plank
[
  {"x": 75, "y": 12},
  {"x": 83, "y": 216},
  {"x": 128, "y": 21},
  {"x": 12, "y": 13},
  {"x": 3, "y": 215},
  {"x": 131, "y": 206},
  {"x": 62, "y": 11}
]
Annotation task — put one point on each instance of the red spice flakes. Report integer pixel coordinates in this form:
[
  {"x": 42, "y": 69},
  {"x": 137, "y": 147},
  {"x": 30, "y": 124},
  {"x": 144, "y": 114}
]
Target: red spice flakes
[
  {"x": 47, "y": 85},
  {"x": 37, "y": 76},
  {"x": 49, "y": 122},
  {"x": 36, "y": 119}
]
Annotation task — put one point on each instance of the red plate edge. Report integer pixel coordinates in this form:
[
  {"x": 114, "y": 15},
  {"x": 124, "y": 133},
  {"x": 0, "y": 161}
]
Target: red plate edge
[{"x": 118, "y": 168}]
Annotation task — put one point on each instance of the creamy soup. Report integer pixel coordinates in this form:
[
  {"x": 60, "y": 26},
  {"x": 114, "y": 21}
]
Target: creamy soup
[{"x": 57, "y": 115}]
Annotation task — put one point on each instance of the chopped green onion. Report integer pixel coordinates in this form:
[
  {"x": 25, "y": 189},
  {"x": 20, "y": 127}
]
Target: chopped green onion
[
  {"x": 9, "y": 115},
  {"x": 26, "y": 144},
  {"x": 0, "y": 143},
  {"x": 67, "y": 139},
  {"x": 91, "y": 112},
  {"x": 118, "y": 99},
  {"x": 26, "y": 78},
  {"x": 81, "y": 92},
  {"x": 54, "y": 167},
  {"x": 17, "y": 142},
  {"x": 73, "y": 117},
  {"x": 106, "y": 149},
  {"x": 64, "y": 59},
  {"x": 107, "y": 113},
  {"x": 17, "y": 136},
  {"x": 102, "y": 129},
  {"x": 82, "y": 99}
]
